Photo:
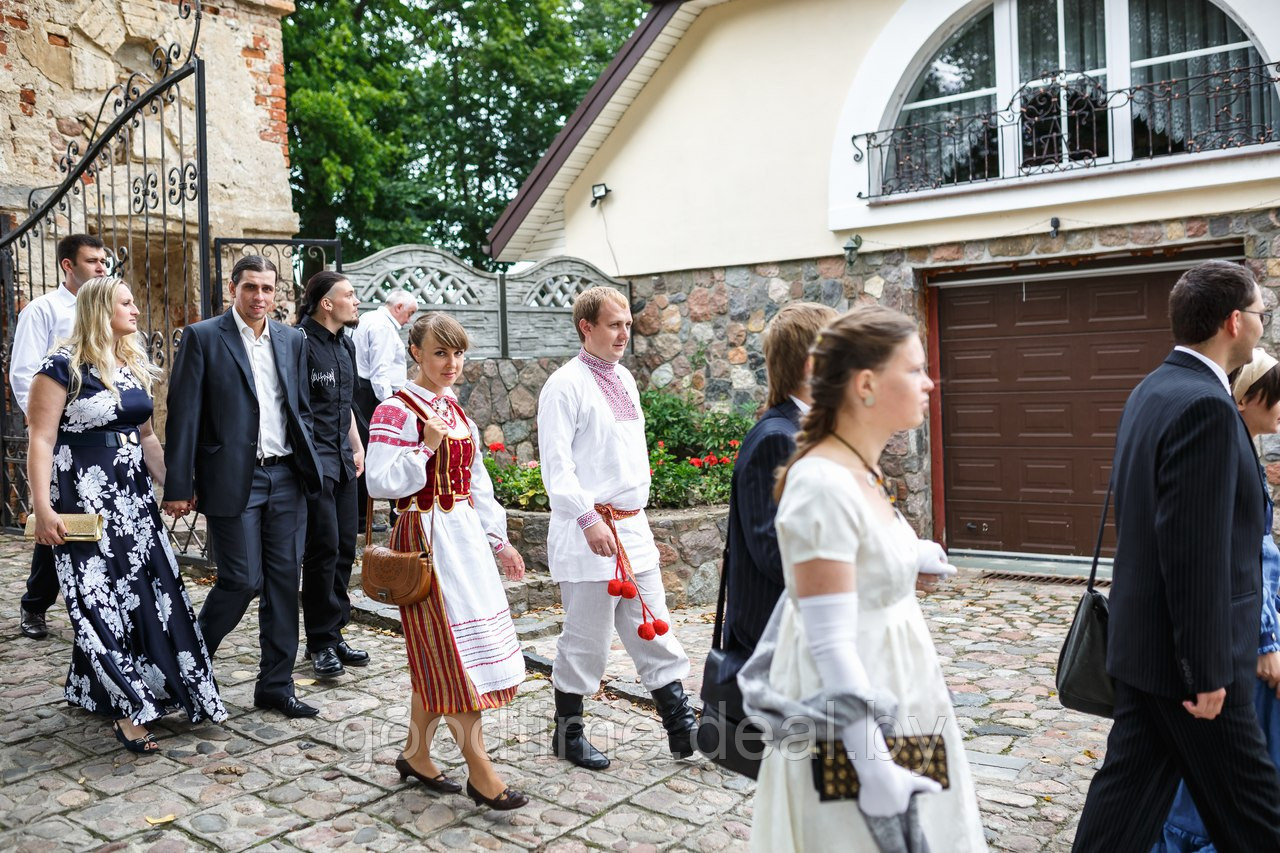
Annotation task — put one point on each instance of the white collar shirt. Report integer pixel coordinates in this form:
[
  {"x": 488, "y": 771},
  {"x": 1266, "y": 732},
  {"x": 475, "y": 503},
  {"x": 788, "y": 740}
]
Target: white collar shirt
[
  {"x": 380, "y": 352},
  {"x": 273, "y": 439},
  {"x": 45, "y": 321},
  {"x": 592, "y": 449},
  {"x": 800, "y": 404},
  {"x": 1213, "y": 365}
]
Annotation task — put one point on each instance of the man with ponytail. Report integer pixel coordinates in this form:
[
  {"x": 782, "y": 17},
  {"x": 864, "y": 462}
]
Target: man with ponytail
[
  {"x": 329, "y": 308},
  {"x": 595, "y": 466}
]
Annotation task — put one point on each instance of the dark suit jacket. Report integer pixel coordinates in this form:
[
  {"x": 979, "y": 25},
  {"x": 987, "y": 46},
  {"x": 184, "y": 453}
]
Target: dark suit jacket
[
  {"x": 752, "y": 561},
  {"x": 1186, "y": 590},
  {"x": 211, "y": 435}
]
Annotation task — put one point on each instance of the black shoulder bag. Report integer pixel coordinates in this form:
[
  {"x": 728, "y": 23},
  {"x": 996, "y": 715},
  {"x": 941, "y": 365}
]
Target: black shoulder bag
[
  {"x": 1082, "y": 679},
  {"x": 724, "y": 735}
]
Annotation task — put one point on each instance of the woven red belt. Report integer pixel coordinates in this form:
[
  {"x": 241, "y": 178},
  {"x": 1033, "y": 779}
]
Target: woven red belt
[{"x": 624, "y": 578}]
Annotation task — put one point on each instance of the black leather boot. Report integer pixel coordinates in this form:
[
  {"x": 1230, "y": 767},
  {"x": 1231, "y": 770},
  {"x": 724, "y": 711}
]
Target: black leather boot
[
  {"x": 677, "y": 718},
  {"x": 568, "y": 741}
]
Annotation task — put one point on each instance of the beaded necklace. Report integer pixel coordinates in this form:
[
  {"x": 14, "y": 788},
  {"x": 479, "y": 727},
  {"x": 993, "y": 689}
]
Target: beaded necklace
[{"x": 874, "y": 477}]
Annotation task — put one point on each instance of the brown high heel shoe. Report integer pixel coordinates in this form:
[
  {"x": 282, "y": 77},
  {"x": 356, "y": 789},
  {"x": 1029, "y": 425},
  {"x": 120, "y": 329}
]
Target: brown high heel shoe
[
  {"x": 441, "y": 783},
  {"x": 509, "y": 799}
]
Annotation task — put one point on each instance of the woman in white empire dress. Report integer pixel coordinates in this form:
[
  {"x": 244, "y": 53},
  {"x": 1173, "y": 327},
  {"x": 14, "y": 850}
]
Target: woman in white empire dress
[{"x": 851, "y": 621}]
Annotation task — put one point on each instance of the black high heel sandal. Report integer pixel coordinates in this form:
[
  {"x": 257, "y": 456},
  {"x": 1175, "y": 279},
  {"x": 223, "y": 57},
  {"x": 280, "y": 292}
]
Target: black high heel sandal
[
  {"x": 509, "y": 799},
  {"x": 142, "y": 746},
  {"x": 441, "y": 783}
]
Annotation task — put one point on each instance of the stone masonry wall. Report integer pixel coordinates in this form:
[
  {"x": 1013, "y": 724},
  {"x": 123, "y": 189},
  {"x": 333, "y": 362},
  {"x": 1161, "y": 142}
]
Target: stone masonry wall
[
  {"x": 698, "y": 331},
  {"x": 58, "y": 59}
]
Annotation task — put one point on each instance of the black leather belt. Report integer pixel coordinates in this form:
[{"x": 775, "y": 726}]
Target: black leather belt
[
  {"x": 268, "y": 461},
  {"x": 98, "y": 438}
]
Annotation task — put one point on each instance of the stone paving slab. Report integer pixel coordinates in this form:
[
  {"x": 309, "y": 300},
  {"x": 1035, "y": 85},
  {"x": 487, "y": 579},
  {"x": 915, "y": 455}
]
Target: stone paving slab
[{"x": 261, "y": 781}]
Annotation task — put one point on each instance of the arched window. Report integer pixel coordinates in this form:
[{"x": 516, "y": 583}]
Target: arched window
[{"x": 1029, "y": 86}]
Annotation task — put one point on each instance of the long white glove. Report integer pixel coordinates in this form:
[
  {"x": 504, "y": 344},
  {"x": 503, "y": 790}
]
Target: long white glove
[
  {"x": 931, "y": 559},
  {"x": 831, "y": 626}
]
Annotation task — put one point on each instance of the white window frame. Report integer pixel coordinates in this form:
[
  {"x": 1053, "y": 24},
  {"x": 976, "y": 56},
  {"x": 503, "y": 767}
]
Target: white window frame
[{"x": 879, "y": 87}]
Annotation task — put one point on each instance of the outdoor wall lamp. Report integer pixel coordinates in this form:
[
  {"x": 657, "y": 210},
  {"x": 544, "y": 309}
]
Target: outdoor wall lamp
[
  {"x": 851, "y": 247},
  {"x": 1054, "y": 224},
  {"x": 598, "y": 192}
]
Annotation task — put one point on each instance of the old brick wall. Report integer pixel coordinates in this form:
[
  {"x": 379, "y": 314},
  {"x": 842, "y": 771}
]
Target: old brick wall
[{"x": 59, "y": 58}]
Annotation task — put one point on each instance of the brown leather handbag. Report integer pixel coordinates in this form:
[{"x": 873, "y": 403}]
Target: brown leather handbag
[{"x": 396, "y": 577}]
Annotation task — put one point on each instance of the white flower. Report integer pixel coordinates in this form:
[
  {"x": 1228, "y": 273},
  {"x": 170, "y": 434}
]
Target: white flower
[
  {"x": 85, "y": 413},
  {"x": 62, "y": 459},
  {"x": 90, "y": 485},
  {"x": 164, "y": 606}
]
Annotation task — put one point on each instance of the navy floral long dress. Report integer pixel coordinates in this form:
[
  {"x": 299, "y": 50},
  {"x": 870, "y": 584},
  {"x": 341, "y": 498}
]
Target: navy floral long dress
[{"x": 138, "y": 651}]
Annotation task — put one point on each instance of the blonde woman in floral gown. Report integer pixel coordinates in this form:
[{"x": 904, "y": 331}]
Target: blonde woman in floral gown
[{"x": 138, "y": 653}]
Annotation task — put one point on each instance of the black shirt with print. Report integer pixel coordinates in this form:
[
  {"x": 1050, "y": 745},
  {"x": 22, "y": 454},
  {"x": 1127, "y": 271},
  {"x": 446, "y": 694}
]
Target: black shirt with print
[{"x": 331, "y": 368}]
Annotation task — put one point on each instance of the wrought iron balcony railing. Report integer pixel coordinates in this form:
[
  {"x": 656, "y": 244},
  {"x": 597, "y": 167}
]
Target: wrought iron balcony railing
[{"x": 1068, "y": 121}]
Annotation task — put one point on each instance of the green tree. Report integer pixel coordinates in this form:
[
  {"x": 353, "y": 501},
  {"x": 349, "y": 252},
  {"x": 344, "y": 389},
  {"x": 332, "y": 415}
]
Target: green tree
[{"x": 417, "y": 121}]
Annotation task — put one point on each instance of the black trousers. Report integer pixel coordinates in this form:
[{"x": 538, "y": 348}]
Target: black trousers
[
  {"x": 326, "y": 563},
  {"x": 42, "y": 583},
  {"x": 258, "y": 553},
  {"x": 363, "y": 402},
  {"x": 1154, "y": 744}
]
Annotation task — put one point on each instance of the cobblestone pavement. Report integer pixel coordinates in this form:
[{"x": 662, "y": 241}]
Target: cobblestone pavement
[{"x": 261, "y": 780}]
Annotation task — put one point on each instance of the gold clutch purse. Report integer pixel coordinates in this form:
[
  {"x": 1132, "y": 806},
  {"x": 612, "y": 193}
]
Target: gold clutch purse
[
  {"x": 81, "y": 526},
  {"x": 835, "y": 779}
]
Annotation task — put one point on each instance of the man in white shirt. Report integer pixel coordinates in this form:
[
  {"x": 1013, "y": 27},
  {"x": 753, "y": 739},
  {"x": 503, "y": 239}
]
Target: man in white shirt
[
  {"x": 46, "y": 320},
  {"x": 239, "y": 449},
  {"x": 380, "y": 365},
  {"x": 595, "y": 466}
]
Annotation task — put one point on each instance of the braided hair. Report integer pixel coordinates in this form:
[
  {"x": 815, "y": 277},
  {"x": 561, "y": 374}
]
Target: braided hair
[{"x": 861, "y": 339}]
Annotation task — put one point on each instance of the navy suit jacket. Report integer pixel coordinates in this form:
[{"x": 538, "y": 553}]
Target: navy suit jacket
[
  {"x": 752, "y": 562},
  {"x": 211, "y": 435},
  {"x": 1190, "y": 511}
]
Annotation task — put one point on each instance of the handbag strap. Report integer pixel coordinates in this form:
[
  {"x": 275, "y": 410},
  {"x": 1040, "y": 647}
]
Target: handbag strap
[
  {"x": 422, "y": 416},
  {"x": 1102, "y": 527},
  {"x": 718, "y": 630}
]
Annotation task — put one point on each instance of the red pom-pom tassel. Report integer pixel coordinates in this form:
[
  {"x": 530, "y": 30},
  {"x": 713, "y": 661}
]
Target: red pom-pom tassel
[
  {"x": 660, "y": 627},
  {"x": 615, "y": 587},
  {"x": 627, "y": 590},
  {"x": 646, "y": 631}
]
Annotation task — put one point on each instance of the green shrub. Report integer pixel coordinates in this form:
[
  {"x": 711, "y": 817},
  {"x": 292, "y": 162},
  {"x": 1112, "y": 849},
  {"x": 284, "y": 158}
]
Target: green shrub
[{"x": 691, "y": 456}]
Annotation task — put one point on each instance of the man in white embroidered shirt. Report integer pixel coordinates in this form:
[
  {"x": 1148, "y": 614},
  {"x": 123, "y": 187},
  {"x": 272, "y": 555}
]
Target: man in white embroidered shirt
[
  {"x": 46, "y": 320},
  {"x": 595, "y": 467}
]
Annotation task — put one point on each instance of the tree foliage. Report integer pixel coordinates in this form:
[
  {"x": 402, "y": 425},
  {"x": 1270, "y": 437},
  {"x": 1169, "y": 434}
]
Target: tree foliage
[{"x": 416, "y": 121}]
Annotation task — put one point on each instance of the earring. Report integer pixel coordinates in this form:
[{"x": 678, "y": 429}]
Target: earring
[{"x": 869, "y": 400}]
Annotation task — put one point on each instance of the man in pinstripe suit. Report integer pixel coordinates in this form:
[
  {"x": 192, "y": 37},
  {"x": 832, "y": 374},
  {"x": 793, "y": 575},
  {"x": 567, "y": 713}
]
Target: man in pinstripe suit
[{"x": 1185, "y": 597}]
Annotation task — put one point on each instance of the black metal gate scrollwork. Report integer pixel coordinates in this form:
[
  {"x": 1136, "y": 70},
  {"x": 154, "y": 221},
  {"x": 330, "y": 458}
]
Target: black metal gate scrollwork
[{"x": 139, "y": 186}]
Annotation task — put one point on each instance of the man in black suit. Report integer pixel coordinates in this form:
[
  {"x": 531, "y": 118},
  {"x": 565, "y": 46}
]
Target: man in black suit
[
  {"x": 239, "y": 449},
  {"x": 753, "y": 567},
  {"x": 1186, "y": 589}
]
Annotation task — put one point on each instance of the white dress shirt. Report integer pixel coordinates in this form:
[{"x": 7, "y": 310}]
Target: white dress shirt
[
  {"x": 380, "y": 352},
  {"x": 46, "y": 320},
  {"x": 592, "y": 452},
  {"x": 273, "y": 440},
  {"x": 1213, "y": 365}
]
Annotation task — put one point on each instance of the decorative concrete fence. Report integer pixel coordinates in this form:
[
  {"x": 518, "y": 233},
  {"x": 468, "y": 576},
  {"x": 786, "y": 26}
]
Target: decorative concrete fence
[
  {"x": 690, "y": 543},
  {"x": 521, "y": 315}
]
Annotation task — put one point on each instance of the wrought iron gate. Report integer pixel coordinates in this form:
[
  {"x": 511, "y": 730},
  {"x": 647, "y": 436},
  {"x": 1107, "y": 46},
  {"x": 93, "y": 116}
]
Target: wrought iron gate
[{"x": 139, "y": 186}]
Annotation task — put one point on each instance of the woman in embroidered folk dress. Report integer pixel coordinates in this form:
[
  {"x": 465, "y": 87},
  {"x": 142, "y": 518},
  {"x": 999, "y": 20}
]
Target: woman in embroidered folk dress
[
  {"x": 850, "y": 620},
  {"x": 138, "y": 651},
  {"x": 463, "y": 652}
]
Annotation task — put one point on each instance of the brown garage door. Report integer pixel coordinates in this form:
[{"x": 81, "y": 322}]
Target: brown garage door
[{"x": 1034, "y": 376}]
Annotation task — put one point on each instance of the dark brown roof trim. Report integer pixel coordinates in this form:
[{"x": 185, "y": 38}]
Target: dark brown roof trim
[{"x": 576, "y": 127}]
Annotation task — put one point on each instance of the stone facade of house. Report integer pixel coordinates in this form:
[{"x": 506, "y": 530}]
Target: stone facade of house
[{"x": 698, "y": 332}]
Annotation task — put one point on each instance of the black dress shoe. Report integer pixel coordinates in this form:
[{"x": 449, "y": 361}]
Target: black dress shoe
[
  {"x": 290, "y": 706},
  {"x": 509, "y": 799},
  {"x": 326, "y": 664},
  {"x": 33, "y": 625},
  {"x": 440, "y": 783},
  {"x": 353, "y": 657}
]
